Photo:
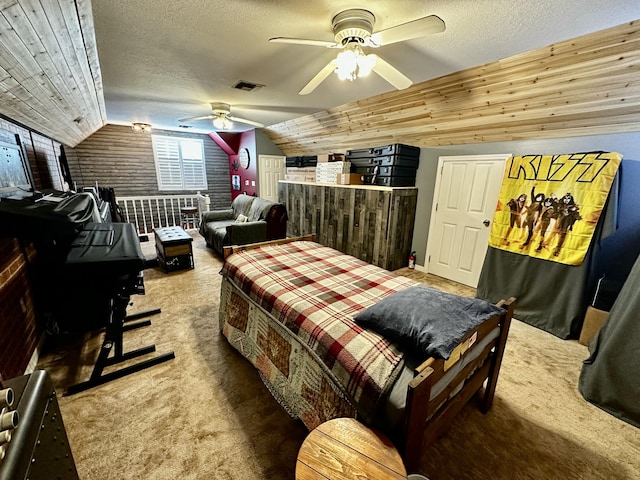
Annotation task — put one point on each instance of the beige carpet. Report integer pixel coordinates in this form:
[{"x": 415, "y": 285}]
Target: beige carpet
[{"x": 206, "y": 415}]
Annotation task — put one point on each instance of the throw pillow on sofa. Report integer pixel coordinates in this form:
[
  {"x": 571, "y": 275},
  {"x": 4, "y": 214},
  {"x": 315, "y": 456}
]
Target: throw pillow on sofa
[{"x": 241, "y": 218}]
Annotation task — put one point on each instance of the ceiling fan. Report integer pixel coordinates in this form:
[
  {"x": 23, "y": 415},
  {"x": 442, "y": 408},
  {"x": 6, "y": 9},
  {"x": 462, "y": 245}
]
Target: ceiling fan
[
  {"x": 353, "y": 30},
  {"x": 222, "y": 118}
]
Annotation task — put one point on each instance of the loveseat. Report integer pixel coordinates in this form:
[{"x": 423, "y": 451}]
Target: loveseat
[{"x": 249, "y": 220}]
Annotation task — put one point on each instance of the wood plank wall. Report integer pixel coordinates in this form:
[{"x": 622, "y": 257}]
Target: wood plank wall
[
  {"x": 372, "y": 224},
  {"x": 585, "y": 86},
  {"x": 49, "y": 68},
  {"x": 46, "y": 155},
  {"x": 115, "y": 156},
  {"x": 42, "y": 153}
]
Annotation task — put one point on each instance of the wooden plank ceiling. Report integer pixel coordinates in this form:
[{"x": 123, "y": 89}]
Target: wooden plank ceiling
[
  {"x": 585, "y": 86},
  {"x": 50, "y": 77}
]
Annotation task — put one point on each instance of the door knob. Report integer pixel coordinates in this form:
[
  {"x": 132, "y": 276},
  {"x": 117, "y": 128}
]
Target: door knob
[{"x": 486, "y": 223}]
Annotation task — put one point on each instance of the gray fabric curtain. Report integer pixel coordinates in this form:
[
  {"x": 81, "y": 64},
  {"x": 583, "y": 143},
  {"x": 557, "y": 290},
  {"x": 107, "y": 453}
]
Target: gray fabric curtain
[
  {"x": 550, "y": 295},
  {"x": 610, "y": 377}
]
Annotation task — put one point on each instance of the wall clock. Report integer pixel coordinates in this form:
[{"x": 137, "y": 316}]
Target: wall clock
[{"x": 244, "y": 158}]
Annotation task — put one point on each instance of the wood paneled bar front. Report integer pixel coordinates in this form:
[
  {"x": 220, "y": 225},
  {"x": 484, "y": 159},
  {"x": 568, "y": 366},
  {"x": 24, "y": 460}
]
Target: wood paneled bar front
[{"x": 372, "y": 223}]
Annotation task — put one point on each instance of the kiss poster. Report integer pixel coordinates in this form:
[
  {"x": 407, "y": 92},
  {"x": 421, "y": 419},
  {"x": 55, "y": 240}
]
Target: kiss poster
[{"x": 549, "y": 205}]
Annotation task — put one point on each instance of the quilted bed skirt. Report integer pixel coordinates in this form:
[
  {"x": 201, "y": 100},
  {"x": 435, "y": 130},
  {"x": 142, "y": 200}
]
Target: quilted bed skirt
[{"x": 291, "y": 371}]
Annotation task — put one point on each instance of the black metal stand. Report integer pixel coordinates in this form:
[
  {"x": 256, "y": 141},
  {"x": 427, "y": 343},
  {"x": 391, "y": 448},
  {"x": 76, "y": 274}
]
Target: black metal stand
[{"x": 113, "y": 341}]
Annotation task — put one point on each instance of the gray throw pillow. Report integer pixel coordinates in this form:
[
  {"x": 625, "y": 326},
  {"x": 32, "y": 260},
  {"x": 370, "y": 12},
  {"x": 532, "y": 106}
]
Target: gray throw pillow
[{"x": 426, "y": 320}]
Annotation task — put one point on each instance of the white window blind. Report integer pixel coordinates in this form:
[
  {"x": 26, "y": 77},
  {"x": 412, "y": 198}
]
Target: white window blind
[{"x": 179, "y": 163}]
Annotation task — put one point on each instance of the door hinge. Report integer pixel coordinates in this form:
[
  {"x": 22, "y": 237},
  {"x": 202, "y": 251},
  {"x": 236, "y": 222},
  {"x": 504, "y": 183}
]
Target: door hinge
[{"x": 436, "y": 207}]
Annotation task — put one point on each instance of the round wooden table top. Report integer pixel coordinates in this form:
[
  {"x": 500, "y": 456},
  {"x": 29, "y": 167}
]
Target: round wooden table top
[{"x": 344, "y": 449}]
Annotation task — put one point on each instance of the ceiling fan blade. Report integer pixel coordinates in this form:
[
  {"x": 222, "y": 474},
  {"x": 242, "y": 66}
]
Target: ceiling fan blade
[
  {"x": 193, "y": 119},
  {"x": 407, "y": 31},
  {"x": 276, "y": 108},
  {"x": 391, "y": 74},
  {"x": 317, "y": 80},
  {"x": 244, "y": 120},
  {"x": 304, "y": 41}
]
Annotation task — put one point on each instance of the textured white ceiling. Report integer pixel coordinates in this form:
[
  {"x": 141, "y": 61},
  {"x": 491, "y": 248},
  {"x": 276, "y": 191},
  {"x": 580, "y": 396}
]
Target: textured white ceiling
[{"x": 162, "y": 60}]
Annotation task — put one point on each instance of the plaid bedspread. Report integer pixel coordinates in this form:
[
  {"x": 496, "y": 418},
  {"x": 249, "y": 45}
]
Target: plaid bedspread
[{"x": 315, "y": 293}]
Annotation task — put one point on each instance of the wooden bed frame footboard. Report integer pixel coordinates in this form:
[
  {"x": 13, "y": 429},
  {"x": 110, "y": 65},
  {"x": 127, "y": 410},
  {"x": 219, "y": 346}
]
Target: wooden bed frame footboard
[
  {"x": 241, "y": 248},
  {"x": 426, "y": 418}
]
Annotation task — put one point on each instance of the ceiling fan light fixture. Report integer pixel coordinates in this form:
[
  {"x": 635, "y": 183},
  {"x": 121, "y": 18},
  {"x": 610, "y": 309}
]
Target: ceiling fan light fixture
[
  {"x": 366, "y": 64},
  {"x": 141, "y": 127},
  {"x": 352, "y": 63},
  {"x": 222, "y": 123},
  {"x": 347, "y": 64}
]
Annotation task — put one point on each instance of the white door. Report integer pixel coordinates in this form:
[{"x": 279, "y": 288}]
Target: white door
[
  {"x": 465, "y": 199},
  {"x": 271, "y": 169}
]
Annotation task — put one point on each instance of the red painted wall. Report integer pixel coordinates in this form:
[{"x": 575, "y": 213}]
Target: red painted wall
[{"x": 232, "y": 143}]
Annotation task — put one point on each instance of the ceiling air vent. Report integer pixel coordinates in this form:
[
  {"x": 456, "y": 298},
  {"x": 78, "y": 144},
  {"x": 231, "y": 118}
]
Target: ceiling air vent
[{"x": 247, "y": 86}]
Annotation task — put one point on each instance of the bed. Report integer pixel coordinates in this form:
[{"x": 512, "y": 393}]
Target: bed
[{"x": 305, "y": 316}]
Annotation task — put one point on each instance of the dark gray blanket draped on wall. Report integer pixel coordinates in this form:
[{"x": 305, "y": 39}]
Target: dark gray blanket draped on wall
[
  {"x": 610, "y": 377},
  {"x": 551, "y": 296}
]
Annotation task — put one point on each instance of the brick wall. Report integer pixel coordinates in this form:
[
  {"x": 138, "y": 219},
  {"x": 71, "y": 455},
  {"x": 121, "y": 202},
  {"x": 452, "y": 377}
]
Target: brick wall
[{"x": 20, "y": 329}]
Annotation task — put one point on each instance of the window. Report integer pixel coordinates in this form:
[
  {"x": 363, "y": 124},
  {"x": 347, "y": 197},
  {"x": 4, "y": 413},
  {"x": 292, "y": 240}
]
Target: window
[{"x": 179, "y": 163}]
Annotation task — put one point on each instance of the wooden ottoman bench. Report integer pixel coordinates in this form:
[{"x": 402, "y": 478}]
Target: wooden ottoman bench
[{"x": 173, "y": 246}]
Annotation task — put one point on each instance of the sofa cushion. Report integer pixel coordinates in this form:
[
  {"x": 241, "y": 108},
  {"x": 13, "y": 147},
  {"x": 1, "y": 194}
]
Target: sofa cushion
[
  {"x": 247, "y": 232},
  {"x": 259, "y": 209},
  {"x": 218, "y": 224},
  {"x": 214, "y": 230},
  {"x": 214, "y": 215},
  {"x": 218, "y": 237},
  {"x": 242, "y": 204}
]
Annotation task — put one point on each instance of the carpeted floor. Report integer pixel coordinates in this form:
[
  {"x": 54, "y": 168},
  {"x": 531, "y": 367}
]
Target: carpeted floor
[{"x": 206, "y": 414}]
